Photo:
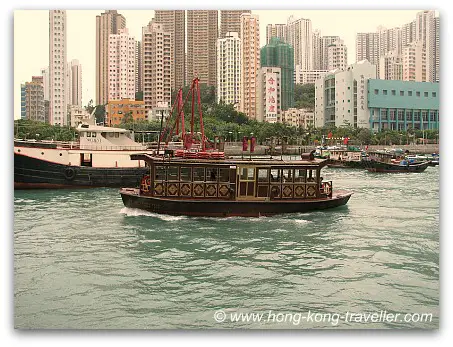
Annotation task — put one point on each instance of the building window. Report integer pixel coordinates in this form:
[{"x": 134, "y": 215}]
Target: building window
[
  {"x": 417, "y": 93},
  {"x": 376, "y": 91},
  {"x": 409, "y": 93},
  {"x": 384, "y": 91},
  {"x": 434, "y": 94},
  {"x": 402, "y": 93},
  {"x": 426, "y": 94},
  {"x": 393, "y": 92}
]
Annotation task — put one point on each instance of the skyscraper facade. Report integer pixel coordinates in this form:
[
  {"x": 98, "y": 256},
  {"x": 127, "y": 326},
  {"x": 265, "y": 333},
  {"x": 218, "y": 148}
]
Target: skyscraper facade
[
  {"x": 174, "y": 22},
  {"x": 138, "y": 67},
  {"x": 250, "y": 64},
  {"x": 414, "y": 60},
  {"x": 228, "y": 68},
  {"x": 275, "y": 30},
  {"x": 157, "y": 65},
  {"x": 280, "y": 54},
  {"x": 121, "y": 66},
  {"x": 202, "y": 32},
  {"x": 337, "y": 56},
  {"x": 76, "y": 83},
  {"x": 34, "y": 99},
  {"x": 57, "y": 67},
  {"x": 300, "y": 37},
  {"x": 425, "y": 31},
  {"x": 109, "y": 22},
  {"x": 230, "y": 21}
]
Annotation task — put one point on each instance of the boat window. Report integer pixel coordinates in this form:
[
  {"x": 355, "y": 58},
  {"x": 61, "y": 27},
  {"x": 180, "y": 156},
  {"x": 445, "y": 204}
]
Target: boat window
[
  {"x": 263, "y": 175},
  {"x": 88, "y": 134},
  {"x": 173, "y": 173},
  {"x": 311, "y": 176},
  {"x": 224, "y": 175},
  {"x": 185, "y": 174},
  {"x": 117, "y": 134},
  {"x": 248, "y": 174},
  {"x": 287, "y": 175},
  {"x": 198, "y": 174},
  {"x": 82, "y": 134},
  {"x": 299, "y": 175},
  {"x": 212, "y": 174},
  {"x": 111, "y": 134},
  {"x": 93, "y": 134},
  {"x": 160, "y": 173},
  {"x": 276, "y": 175}
]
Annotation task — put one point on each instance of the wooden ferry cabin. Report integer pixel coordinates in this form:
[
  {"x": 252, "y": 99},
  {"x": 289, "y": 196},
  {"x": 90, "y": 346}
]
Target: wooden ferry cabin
[{"x": 232, "y": 187}]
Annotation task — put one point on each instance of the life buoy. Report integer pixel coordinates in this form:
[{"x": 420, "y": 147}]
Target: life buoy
[
  {"x": 69, "y": 173},
  {"x": 145, "y": 184}
]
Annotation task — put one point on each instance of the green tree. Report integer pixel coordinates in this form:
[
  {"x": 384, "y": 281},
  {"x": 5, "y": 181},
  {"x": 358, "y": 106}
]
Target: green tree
[
  {"x": 127, "y": 118},
  {"x": 99, "y": 114},
  {"x": 304, "y": 96}
]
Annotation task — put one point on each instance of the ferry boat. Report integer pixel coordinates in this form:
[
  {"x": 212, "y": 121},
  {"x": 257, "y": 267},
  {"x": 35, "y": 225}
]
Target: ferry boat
[
  {"x": 388, "y": 162},
  {"x": 101, "y": 158},
  {"x": 232, "y": 187},
  {"x": 203, "y": 182}
]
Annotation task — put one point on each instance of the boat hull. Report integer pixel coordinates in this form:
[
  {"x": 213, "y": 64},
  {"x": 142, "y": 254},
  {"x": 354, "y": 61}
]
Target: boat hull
[
  {"x": 221, "y": 208},
  {"x": 376, "y": 166},
  {"x": 346, "y": 164},
  {"x": 32, "y": 173}
]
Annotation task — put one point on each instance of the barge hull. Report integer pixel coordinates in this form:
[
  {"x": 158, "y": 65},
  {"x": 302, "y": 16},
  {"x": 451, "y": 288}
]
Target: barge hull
[
  {"x": 228, "y": 208},
  {"x": 32, "y": 173}
]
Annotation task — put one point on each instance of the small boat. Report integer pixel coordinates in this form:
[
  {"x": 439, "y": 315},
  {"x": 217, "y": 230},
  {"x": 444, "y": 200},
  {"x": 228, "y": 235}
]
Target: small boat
[
  {"x": 232, "y": 187},
  {"x": 388, "y": 162},
  {"x": 346, "y": 159}
]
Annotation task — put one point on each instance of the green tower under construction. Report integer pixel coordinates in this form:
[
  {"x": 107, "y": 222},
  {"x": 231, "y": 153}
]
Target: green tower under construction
[{"x": 280, "y": 54}]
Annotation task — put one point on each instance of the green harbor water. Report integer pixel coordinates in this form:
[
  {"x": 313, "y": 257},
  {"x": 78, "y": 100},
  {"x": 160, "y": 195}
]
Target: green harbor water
[{"x": 82, "y": 260}]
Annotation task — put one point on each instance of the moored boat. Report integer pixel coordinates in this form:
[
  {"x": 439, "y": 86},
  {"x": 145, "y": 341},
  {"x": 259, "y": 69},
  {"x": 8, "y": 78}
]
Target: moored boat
[
  {"x": 346, "y": 159},
  {"x": 101, "y": 158},
  {"x": 387, "y": 162}
]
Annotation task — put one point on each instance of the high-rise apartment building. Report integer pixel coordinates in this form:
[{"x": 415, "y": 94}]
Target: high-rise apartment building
[
  {"x": 109, "y": 22},
  {"x": 228, "y": 68},
  {"x": 326, "y": 41},
  {"x": 437, "y": 50},
  {"x": 391, "y": 66},
  {"x": 275, "y": 30},
  {"x": 280, "y": 54},
  {"x": 230, "y": 21},
  {"x": 389, "y": 40},
  {"x": 76, "y": 83},
  {"x": 157, "y": 65},
  {"x": 414, "y": 60},
  {"x": 23, "y": 111},
  {"x": 300, "y": 37},
  {"x": 138, "y": 67},
  {"x": 425, "y": 31},
  {"x": 34, "y": 99},
  {"x": 45, "y": 75},
  {"x": 250, "y": 64},
  {"x": 57, "y": 67},
  {"x": 367, "y": 48},
  {"x": 337, "y": 56},
  {"x": 121, "y": 66},
  {"x": 408, "y": 33},
  {"x": 317, "y": 50},
  {"x": 202, "y": 32},
  {"x": 174, "y": 22}
]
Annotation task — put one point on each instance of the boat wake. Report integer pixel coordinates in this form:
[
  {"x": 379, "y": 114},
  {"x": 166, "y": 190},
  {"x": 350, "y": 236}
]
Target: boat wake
[{"x": 135, "y": 212}]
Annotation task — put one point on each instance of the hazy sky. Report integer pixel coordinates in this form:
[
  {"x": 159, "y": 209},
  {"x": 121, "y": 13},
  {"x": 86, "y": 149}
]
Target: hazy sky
[{"x": 31, "y": 35}]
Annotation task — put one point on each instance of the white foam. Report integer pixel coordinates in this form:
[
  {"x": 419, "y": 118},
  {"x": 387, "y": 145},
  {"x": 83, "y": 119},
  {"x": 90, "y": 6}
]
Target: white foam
[{"x": 135, "y": 212}]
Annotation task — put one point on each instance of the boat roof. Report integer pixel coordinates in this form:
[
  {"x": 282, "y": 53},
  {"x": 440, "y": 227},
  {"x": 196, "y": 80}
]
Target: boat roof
[
  {"x": 100, "y": 129},
  {"x": 231, "y": 161}
]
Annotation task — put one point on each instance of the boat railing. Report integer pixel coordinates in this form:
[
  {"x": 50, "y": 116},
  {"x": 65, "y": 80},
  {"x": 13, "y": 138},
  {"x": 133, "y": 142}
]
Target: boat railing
[{"x": 112, "y": 148}]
